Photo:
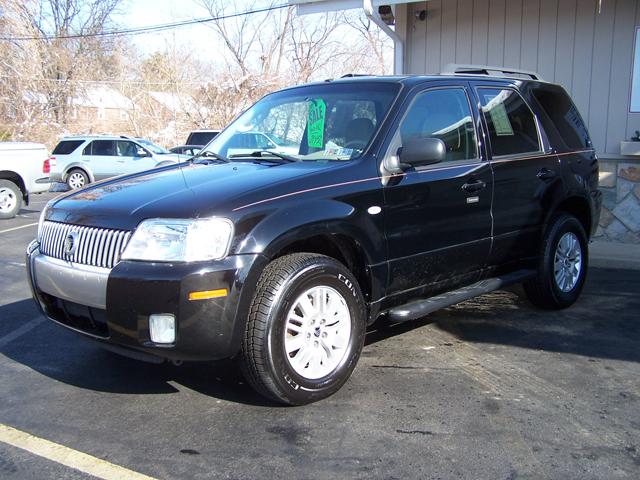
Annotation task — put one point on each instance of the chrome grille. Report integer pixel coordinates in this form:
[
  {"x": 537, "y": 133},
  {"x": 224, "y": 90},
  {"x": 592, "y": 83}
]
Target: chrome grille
[{"x": 99, "y": 247}]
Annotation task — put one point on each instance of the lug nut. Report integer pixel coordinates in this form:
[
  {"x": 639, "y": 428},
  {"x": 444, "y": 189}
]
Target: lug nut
[
  {"x": 315, "y": 344},
  {"x": 324, "y": 334}
]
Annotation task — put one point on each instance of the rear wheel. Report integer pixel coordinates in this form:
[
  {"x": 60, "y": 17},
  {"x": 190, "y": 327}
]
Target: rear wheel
[
  {"x": 77, "y": 179},
  {"x": 10, "y": 199},
  {"x": 305, "y": 329},
  {"x": 562, "y": 266}
]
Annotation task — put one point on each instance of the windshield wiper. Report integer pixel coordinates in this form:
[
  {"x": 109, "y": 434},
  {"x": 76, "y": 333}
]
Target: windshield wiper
[
  {"x": 261, "y": 154},
  {"x": 208, "y": 155}
]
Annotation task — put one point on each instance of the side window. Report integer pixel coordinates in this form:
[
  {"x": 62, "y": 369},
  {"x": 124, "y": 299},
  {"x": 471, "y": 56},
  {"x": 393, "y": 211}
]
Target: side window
[
  {"x": 65, "y": 147},
  {"x": 126, "y": 149},
  {"x": 563, "y": 116},
  {"x": 104, "y": 148},
  {"x": 443, "y": 114},
  {"x": 512, "y": 126},
  {"x": 87, "y": 149}
]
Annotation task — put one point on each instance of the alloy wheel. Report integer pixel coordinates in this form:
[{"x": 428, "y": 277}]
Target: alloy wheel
[
  {"x": 567, "y": 264},
  {"x": 318, "y": 332}
]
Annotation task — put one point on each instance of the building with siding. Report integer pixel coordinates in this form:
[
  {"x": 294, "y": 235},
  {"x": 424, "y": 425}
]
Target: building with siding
[{"x": 590, "y": 47}]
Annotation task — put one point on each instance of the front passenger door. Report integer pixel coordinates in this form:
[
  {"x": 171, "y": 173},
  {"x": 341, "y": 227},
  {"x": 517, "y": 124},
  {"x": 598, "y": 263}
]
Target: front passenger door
[
  {"x": 133, "y": 158},
  {"x": 438, "y": 217}
]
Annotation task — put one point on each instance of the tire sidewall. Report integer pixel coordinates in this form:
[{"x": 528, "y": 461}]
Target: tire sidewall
[
  {"x": 297, "y": 388},
  {"x": 565, "y": 224},
  {"x": 18, "y": 193}
]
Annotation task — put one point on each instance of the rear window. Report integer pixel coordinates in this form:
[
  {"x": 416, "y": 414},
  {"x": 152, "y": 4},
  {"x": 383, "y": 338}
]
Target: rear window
[
  {"x": 564, "y": 116},
  {"x": 65, "y": 147},
  {"x": 200, "y": 138}
]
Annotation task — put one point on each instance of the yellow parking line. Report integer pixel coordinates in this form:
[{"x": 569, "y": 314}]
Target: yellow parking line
[
  {"x": 67, "y": 456},
  {"x": 18, "y": 228}
]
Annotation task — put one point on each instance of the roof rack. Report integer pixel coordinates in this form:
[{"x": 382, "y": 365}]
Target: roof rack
[
  {"x": 456, "y": 69},
  {"x": 353, "y": 75}
]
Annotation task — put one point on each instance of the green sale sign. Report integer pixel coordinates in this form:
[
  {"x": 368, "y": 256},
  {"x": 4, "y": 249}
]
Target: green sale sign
[{"x": 315, "y": 123}]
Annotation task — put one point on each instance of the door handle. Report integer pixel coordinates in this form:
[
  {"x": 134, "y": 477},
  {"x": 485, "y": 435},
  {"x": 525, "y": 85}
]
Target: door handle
[
  {"x": 474, "y": 186},
  {"x": 545, "y": 174}
]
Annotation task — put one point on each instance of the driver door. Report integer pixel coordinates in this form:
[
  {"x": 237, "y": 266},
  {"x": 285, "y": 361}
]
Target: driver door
[{"x": 438, "y": 216}]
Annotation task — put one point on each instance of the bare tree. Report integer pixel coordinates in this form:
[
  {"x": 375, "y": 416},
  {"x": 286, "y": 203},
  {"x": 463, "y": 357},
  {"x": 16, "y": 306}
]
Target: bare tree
[
  {"x": 61, "y": 61},
  {"x": 375, "y": 40}
]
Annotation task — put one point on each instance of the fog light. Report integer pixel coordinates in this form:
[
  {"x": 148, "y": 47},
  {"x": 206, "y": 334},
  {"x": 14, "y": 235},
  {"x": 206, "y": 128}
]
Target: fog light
[{"x": 162, "y": 328}]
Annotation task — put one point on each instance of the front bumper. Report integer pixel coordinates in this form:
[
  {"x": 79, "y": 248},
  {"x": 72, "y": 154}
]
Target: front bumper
[{"x": 113, "y": 306}]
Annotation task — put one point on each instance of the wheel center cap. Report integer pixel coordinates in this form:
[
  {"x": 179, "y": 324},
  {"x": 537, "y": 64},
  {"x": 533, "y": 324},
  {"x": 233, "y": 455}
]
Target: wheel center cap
[{"x": 316, "y": 331}]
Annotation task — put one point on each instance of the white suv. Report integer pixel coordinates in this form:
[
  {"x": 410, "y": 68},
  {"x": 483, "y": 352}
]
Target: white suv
[{"x": 78, "y": 161}]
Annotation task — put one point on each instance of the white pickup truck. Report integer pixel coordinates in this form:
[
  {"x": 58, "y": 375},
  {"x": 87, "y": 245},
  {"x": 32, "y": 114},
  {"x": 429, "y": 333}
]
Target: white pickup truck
[{"x": 24, "y": 169}]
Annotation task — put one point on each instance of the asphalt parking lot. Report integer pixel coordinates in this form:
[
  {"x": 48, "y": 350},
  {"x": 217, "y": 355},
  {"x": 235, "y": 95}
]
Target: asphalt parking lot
[{"x": 488, "y": 389}]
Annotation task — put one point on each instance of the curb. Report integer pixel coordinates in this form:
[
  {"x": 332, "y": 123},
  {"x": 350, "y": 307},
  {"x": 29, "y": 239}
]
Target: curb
[{"x": 617, "y": 256}]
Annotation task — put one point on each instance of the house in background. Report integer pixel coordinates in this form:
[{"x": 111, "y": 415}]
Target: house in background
[
  {"x": 100, "y": 109},
  {"x": 590, "y": 47}
]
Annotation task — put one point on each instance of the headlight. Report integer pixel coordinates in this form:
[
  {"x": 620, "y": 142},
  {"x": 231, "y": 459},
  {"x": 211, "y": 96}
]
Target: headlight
[{"x": 169, "y": 240}]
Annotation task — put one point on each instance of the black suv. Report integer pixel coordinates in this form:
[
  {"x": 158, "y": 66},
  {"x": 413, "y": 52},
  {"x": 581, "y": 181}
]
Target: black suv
[{"x": 402, "y": 195}]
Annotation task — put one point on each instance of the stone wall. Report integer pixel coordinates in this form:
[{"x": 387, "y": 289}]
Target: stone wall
[{"x": 620, "y": 217}]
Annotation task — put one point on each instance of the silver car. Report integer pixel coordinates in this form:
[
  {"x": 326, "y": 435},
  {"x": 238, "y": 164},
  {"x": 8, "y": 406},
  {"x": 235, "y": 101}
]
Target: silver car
[{"x": 78, "y": 161}]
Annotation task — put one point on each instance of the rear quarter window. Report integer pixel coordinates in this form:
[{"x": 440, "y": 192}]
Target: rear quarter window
[
  {"x": 200, "y": 138},
  {"x": 564, "y": 123},
  {"x": 66, "y": 147}
]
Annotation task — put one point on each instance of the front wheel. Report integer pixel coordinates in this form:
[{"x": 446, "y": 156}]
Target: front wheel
[
  {"x": 305, "y": 329},
  {"x": 562, "y": 265}
]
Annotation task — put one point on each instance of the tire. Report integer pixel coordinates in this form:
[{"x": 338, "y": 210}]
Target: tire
[
  {"x": 77, "y": 178},
  {"x": 10, "y": 199},
  {"x": 272, "y": 328},
  {"x": 551, "y": 289}
]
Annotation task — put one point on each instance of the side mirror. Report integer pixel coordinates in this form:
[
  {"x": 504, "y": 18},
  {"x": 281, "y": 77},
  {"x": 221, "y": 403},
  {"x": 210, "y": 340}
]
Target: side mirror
[
  {"x": 141, "y": 152},
  {"x": 416, "y": 152}
]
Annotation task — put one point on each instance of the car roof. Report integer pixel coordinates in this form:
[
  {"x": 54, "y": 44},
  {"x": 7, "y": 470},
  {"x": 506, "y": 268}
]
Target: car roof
[
  {"x": 99, "y": 137},
  {"x": 21, "y": 146},
  {"x": 411, "y": 80}
]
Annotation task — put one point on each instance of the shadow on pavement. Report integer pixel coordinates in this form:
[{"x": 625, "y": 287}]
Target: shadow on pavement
[
  {"x": 65, "y": 356},
  {"x": 604, "y": 323}
]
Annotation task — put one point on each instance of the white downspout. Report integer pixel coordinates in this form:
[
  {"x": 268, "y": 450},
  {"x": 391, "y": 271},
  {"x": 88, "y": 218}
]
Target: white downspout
[{"x": 398, "y": 45}]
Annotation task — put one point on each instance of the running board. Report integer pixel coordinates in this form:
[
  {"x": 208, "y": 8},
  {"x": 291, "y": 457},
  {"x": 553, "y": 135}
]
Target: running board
[{"x": 419, "y": 308}]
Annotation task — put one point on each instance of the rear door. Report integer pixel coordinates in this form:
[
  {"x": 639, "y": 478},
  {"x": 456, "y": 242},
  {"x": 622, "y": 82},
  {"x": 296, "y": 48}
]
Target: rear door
[
  {"x": 438, "y": 217},
  {"x": 102, "y": 158},
  {"x": 524, "y": 169}
]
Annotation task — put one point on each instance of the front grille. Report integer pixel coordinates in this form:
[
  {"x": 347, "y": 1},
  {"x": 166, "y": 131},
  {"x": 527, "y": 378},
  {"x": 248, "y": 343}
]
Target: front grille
[{"x": 99, "y": 247}]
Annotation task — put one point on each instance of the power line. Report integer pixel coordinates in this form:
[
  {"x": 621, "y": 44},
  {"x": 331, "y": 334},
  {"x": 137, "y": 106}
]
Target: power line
[{"x": 150, "y": 28}]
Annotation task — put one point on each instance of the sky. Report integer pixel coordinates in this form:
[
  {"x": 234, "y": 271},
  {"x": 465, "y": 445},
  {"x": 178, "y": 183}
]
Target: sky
[{"x": 140, "y": 13}]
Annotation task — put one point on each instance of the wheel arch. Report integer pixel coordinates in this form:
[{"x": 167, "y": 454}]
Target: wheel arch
[
  {"x": 15, "y": 178},
  {"x": 578, "y": 207},
  {"x": 78, "y": 166},
  {"x": 326, "y": 227}
]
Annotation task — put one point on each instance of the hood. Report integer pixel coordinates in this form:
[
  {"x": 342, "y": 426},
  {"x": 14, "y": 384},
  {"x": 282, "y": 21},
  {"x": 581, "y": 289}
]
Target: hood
[{"x": 177, "y": 191}]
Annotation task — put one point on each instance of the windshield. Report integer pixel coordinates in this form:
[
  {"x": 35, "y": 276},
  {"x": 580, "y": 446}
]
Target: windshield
[
  {"x": 157, "y": 149},
  {"x": 331, "y": 121}
]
